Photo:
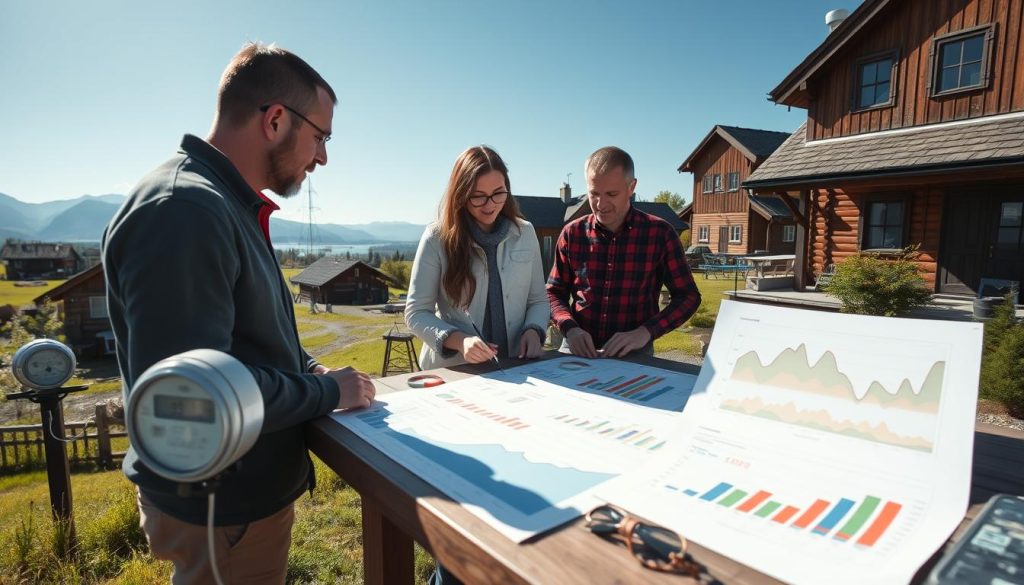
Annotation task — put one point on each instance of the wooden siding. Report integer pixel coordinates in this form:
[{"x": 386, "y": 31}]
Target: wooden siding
[
  {"x": 79, "y": 326},
  {"x": 716, "y": 221},
  {"x": 760, "y": 238},
  {"x": 909, "y": 28},
  {"x": 835, "y": 217},
  {"x": 720, "y": 157}
]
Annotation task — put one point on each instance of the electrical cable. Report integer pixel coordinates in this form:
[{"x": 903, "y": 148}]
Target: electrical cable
[{"x": 209, "y": 539}]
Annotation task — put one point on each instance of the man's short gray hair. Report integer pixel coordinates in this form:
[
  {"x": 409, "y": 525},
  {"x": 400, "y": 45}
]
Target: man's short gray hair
[{"x": 607, "y": 158}]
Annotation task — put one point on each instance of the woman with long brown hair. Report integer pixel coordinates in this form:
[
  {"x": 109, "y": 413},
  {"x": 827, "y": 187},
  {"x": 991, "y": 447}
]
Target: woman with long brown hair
[{"x": 477, "y": 268}]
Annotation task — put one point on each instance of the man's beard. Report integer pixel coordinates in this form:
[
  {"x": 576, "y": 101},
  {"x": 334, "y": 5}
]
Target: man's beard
[{"x": 282, "y": 180}]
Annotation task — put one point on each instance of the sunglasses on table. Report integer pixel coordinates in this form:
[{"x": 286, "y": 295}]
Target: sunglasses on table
[{"x": 652, "y": 546}]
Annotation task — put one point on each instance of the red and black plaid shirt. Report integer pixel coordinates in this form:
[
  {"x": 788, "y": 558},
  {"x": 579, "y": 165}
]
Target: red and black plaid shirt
[{"x": 607, "y": 283}]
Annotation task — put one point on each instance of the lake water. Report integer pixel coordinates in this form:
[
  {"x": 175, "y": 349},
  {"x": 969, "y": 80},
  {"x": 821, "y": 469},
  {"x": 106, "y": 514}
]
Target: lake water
[{"x": 341, "y": 249}]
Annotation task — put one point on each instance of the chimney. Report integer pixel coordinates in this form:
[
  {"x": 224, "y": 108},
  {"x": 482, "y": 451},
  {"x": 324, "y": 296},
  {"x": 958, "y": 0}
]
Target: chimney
[
  {"x": 565, "y": 193},
  {"x": 833, "y": 18}
]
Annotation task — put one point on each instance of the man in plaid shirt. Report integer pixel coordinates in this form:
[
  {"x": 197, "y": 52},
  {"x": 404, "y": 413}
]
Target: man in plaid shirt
[{"x": 610, "y": 266}]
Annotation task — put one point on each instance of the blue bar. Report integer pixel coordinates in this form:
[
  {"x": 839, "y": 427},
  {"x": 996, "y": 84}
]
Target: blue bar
[
  {"x": 656, "y": 394},
  {"x": 690, "y": 492},
  {"x": 716, "y": 491},
  {"x": 374, "y": 419},
  {"x": 833, "y": 518},
  {"x": 625, "y": 435}
]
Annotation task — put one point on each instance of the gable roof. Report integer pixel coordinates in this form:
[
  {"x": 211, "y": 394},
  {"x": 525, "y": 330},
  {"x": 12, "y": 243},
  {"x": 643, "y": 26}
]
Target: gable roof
[
  {"x": 542, "y": 212},
  {"x": 59, "y": 292},
  {"x": 37, "y": 251},
  {"x": 919, "y": 150},
  {"x": 755, "y": 145},
  {"x": 328, "y": 268},
  {"x": 792, "y": 91},
  {"x": 660, "y": 210}
]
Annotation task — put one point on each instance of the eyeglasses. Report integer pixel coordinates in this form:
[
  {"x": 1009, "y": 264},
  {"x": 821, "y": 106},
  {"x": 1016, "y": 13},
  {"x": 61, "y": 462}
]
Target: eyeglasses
[
  {"x": 481, "y": 200},
  {"x": 324, "y": 136},
  {"x": 653, "y": 546}
]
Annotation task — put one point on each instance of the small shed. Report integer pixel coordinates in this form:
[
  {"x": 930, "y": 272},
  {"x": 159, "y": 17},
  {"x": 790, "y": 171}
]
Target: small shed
[
  {"x": 331, "y": 280},
  {"x": 39, "y": 260},
  {"x": 82, "y": 301}
]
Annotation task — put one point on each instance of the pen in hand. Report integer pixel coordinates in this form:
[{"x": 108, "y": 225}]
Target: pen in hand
[{"x": 481, "y": 336}]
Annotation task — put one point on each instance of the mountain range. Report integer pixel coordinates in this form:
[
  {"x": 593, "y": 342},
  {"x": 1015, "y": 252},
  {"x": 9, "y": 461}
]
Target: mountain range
[{"x": 82, "y": 220}]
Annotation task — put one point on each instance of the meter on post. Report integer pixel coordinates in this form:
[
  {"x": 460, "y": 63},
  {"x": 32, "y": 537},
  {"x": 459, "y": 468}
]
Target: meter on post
[
  {"x": 192, "y": 415},
  {"x": 43, "y": 364}
]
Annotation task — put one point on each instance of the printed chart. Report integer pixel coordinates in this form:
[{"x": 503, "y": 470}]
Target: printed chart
[
  {"x": 846, "y": 437},
  {"x": 525, "y": 448}
]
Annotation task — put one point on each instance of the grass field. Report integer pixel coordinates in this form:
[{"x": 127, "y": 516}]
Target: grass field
[{"x": 19, "y": 296}]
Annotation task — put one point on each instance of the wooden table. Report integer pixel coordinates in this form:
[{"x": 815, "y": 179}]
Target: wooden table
[
  {"x": 399, "y": 507},
  {"x": 775, "y": 265}
]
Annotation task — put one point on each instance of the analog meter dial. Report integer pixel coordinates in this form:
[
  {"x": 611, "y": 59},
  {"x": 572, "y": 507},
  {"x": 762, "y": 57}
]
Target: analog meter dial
[{"x": 43, "y": 364}]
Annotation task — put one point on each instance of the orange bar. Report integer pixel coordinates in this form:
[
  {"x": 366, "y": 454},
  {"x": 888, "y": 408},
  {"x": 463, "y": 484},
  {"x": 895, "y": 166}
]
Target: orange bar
[
  {"x": 753, "y": 501},
  {"x": 813, "y": 512},
  {"x": 786, "y": 513},
  {"x": 879, "y": 526}
]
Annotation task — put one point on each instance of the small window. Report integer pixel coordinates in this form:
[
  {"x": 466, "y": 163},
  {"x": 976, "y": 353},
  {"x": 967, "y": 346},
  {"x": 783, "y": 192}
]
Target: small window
[
  {"x": 789, "y": 233},
  {"x": 708, "y": 185},
  {"x": 735, "y": 234},
  {"x": 734, "y": 181},
  {"x": 703, "y": 233},
  {"x": 884, "y": 226},
  {"x": 718, "y": 182},
  {"x": 97, "y": 307},
  {"x": 357, "y": 272},
  {"x": 960, "y": 60},
  {"x": 873, "y": 84}
]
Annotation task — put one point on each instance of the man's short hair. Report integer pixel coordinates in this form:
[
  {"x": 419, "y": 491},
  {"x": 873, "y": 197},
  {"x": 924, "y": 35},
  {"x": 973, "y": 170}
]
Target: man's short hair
[
  {"x": 267, "y": 74},
  {"x": 608, "y": 158}
]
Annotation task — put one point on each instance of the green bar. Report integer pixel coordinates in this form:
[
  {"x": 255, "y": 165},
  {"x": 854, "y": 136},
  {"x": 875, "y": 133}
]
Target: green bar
[
  {"x": 767, "y": 509},
  {"x": 861, "y": 516},
  {"x": 732, "y": 498}
]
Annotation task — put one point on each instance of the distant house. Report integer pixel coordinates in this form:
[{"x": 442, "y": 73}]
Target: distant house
[
  {"x": 914, "y": 136},
  {"x": 725, "y": 217},
  {"x": 82, "y": 302},
  {"x": 39, "y": 260},
  {"x": 342, "y": 282},
  {"x": 550, "y": 214}
]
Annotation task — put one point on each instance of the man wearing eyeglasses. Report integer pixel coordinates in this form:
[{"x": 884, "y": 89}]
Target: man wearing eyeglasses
[
  {"x": 610, "y": 266},
  {"x": 189, "y": 264}
]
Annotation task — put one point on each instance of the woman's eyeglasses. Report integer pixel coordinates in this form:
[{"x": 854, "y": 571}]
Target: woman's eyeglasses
[
  {"x": 481, "y": 200},
  {"x": 653, "y": 546}
]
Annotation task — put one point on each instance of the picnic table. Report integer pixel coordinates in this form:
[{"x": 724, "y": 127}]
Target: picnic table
[
  {"x": 774, "y": 265},
  {"x": 398, "y": 507},
  {"x": 722, "y": 265}
]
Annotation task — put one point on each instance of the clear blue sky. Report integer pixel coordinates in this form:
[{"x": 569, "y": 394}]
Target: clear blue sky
[{"x": 94, "y": 94}]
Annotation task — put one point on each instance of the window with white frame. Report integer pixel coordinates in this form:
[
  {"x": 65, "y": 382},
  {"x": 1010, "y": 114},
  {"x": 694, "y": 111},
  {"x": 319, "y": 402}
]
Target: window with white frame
[
  {"x": 735, "y": 234},
  {"x": 734, "y": 181},
  {"x": 789, "y": 233},
  {"x": 703, "y": 233},
  {"x": 708, "y": 185},
  {"x": 97, "y": 307},
  {"x": 718, "y": 182}
]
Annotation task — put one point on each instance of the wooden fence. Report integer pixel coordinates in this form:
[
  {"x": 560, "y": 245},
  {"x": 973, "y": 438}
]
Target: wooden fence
[{"x": 21, "y": 446}]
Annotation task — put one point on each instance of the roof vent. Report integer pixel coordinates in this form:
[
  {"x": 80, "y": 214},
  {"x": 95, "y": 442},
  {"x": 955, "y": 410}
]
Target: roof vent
[{"x": 833, "y": 18}]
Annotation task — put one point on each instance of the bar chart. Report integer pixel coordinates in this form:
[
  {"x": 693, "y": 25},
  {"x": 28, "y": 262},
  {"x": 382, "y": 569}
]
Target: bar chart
[
  {"x": 634, "y": 435},
  {"x": 641, "y": 388},
  {"x": 866, "y": 519},
  {"x": 512, "y": 422}
]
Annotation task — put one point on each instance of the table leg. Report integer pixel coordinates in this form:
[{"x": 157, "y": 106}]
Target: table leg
[{"x": 387, "y": 551}]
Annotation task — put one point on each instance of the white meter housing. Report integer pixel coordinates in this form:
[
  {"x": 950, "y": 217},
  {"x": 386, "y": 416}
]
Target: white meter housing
[
  {"x": 43, "y": 364},
  {"x": 192, "y": 415}
]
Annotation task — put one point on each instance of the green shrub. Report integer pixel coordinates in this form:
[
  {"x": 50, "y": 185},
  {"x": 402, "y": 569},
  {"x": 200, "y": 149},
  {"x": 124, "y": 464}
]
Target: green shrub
[
  {"x": 868, "y": 284},
  {"x": 1002, "y": 363}
]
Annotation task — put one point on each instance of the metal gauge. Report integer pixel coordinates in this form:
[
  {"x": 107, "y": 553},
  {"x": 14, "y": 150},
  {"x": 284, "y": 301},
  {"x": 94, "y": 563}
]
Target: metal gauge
[
  {"x": 192, "y": 415},
  {"x": 43, "y": 364}
]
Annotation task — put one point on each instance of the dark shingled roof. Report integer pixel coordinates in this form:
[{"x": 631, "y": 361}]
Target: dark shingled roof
[
  {"x": 542, "y": 212},
  {"x": 661, "y": 210},
  {"x": 918, "y": 150},
  {"x": 327, "y": 269},
  {"x": 58, "y": 293},
  {"x": 770, "y": 206},
  {"x": 37, "y": 251},
  {"x": 754, "y": 144}
]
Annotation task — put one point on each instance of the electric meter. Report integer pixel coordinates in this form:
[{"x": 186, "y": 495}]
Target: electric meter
[
  {"x": 43, "y": 364},
  {"x": 194, "y": 414}
]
